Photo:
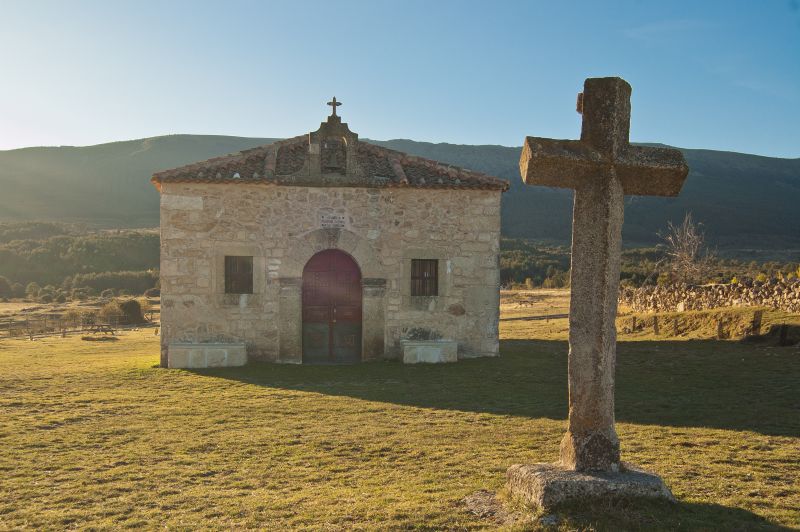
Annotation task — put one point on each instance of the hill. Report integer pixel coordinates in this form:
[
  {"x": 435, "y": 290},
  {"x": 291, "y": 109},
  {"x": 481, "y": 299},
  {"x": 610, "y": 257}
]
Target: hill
[
  {"x": 744, "y": 201},
  {"x": 107, "y": 185}
]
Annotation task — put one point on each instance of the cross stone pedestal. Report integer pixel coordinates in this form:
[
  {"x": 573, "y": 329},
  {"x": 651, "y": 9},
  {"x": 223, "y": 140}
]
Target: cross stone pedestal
[
  {"x": 601, "y": 167},
  {"x": 548, "y": 485}
]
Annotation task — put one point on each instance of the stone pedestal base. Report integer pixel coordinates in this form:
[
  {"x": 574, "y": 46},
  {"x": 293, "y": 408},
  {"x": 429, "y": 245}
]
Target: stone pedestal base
[{"x": 547, "y": 485}]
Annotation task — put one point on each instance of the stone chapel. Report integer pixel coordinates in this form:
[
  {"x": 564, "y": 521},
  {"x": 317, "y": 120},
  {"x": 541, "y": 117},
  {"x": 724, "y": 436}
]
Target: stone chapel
[{"x": 324, "y": 249}]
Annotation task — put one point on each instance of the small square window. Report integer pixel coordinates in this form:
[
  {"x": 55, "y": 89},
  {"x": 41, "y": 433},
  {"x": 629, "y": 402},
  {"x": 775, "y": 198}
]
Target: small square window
[
  {"x": 424, "y": 277},
  {"x": 238, "y": 275}
]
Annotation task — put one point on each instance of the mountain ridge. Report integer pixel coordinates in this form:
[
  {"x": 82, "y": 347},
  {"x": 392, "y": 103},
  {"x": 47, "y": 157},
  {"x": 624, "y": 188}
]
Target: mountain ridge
[
  {"x": 374, "y": 141},
  {"x": 107, "y": 185}
]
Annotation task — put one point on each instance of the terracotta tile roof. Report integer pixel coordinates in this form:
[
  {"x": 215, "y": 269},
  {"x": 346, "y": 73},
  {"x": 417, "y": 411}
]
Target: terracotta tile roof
[
  {"x": 291, "y": 158},
  {"x": 289, "y": 162}
]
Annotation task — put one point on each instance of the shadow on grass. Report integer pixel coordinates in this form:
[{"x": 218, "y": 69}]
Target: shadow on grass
[
  {"x": 705, "y": 383},
  {"x": 644, "y": 514}
]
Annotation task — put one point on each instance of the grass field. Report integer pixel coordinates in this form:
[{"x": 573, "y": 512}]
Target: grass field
[{"x": 93, "y": 435}]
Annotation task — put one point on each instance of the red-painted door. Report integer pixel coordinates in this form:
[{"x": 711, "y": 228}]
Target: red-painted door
[{"x": 331, "y": 309}]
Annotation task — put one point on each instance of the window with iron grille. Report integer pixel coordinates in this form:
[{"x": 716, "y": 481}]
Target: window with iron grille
[
  {"x": 424, "y": 277},
  {"x": 238, "y": 275}
]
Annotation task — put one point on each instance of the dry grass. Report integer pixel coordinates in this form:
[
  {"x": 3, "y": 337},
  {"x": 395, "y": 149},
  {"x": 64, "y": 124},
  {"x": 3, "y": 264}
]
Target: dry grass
[
  {"x": 542, "y": 314},
  {"x": 93, "y": 435}
]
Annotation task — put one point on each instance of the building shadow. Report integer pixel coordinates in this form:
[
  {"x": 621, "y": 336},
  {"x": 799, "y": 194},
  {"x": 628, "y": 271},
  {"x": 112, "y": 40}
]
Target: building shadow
[{"x": 716, "y": 384}]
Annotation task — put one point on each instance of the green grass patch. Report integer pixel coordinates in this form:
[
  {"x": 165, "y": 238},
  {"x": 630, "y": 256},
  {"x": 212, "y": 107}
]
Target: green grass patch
[{"x": 93, "y": 435}]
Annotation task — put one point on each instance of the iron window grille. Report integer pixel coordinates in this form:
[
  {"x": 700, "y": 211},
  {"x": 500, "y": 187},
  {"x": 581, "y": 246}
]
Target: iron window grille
[
  {"x": 424, "y": 277},
  {"x": 238, "y": 275}
]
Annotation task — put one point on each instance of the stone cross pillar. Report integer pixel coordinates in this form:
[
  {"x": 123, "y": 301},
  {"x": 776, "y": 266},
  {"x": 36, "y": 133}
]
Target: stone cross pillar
[{"x": 601, "y": 167}]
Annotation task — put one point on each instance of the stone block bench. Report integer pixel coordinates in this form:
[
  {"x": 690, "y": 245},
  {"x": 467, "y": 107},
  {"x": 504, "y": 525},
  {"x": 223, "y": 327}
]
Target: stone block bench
[
  {"x": 429, "y": 351},
  {"x": 197, "y": 356}
]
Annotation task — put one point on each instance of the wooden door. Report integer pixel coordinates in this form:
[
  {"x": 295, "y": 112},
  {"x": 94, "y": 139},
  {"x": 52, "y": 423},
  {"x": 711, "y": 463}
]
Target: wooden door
[{"x": 331, "y": 309}]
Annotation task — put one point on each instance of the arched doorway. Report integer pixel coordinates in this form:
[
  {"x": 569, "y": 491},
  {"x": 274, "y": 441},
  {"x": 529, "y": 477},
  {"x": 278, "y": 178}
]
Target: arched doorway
[{"x": 331, "y": 309}]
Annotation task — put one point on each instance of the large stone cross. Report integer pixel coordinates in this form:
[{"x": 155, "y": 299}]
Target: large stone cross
[{"x": 601, "y": 168}]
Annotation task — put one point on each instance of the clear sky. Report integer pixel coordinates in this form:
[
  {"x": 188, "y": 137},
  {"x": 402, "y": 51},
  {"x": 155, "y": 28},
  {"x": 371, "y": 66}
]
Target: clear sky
[{"x": 719, "y": 75}]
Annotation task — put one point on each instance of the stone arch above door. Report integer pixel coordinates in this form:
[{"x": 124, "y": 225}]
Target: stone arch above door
[
  {"x": 331, "y": 308},
  {"x": 289, "y": 278},
  {"x": 305, "y": 246}
]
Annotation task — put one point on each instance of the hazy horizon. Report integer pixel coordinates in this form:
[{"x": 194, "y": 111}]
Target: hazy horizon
[{"x": 367, "y": 139}]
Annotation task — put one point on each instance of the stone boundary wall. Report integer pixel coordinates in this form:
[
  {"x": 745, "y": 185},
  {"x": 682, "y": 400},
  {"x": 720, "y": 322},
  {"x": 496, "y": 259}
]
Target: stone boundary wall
[{"x": 778, "y": 294}]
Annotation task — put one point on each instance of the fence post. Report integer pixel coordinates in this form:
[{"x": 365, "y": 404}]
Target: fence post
[
  {"x": 655, "y": 325},
  {"x": 784, "y": 333},
  {"x": 756, "y": 328}
]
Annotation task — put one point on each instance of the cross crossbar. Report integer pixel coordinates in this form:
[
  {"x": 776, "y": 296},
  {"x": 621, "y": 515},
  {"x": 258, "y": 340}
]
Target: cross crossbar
[{"x": 604, "y": 146}]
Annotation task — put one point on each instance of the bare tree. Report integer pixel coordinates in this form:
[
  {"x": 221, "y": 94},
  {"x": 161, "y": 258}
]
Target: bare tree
[{"x": 689, "y": 258}]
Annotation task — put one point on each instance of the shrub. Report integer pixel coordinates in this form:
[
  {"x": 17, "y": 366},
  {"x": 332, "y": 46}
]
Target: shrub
[
  {"x": 145, "y": 304},
  {"x": 32, "y": 290},
  {"x": 89, "y": 318},
  {"x": 46, "y": 298},
  {"x": 61, "y": 298},
  {"x": 556, "y": 279},
  {"x": 152, "y": 292},
  {"x": 80, "y": 294},
  {"x": 5, "y": 288},
  {"x": 108, "y": 293},
  {"x": 110, "y": 313},
  {"x": 72, "y": 317},
  {"x": 131, "y": 311},
  {"x": 17, "y": 291},
  {"x": 134, "y": 282},
  {"x": 128, "y": 312}
]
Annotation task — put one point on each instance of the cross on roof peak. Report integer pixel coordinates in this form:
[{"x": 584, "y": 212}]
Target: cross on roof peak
[{"x": 333, "y": 103}]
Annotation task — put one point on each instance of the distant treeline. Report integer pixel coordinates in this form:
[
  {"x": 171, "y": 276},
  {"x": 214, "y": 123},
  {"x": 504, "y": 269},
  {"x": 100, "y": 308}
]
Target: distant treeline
[
  {"x": 33, "y": 231},
  {"x": 49, "y": 254},
  {"x": 57, "y": 261},
  {"x": 526, "y": 263}
]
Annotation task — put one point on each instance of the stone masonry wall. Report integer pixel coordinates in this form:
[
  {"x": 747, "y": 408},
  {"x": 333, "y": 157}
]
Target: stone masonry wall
[
  {"x": 778, "y": 294},
  {"x": 282, "y": 227}
]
